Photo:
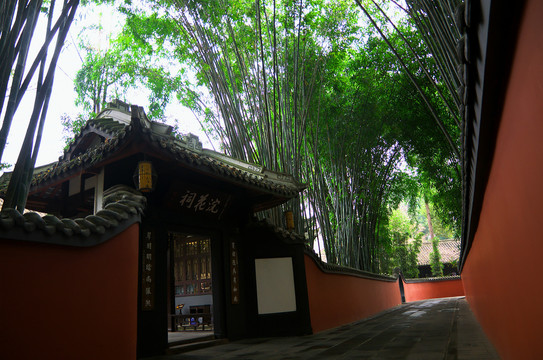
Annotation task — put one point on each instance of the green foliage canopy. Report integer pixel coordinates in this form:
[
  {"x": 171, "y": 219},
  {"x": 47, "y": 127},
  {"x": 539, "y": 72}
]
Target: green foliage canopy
[{"x": 307, "y": 88}]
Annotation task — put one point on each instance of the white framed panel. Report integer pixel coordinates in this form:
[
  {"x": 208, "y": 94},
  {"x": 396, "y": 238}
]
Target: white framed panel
[{"x": 275, "y": 285}]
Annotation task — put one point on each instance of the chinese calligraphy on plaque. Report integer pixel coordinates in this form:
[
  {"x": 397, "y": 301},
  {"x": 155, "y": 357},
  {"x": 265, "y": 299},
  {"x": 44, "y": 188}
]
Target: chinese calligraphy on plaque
[
  {"x": 234, "y": 273},
  {"x": 201, "y": 202},
  {"x": 147, "y": 272},
  {"x": 195, "y": 200}
]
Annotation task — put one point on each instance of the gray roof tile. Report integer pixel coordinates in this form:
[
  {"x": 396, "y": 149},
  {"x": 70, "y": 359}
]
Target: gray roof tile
[
  {"x": 122, "y": 207},
  {"x": 117, "y": 134},
  {"x": 448, "y": 249}
]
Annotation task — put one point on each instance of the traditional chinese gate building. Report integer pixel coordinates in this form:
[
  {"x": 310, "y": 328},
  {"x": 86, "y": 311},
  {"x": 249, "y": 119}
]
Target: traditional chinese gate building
[{"x": 200, "y": 247}]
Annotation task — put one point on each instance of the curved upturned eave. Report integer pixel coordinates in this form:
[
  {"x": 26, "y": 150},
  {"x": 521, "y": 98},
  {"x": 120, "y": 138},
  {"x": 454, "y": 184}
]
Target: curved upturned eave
[{"x": 124, "y": 144}]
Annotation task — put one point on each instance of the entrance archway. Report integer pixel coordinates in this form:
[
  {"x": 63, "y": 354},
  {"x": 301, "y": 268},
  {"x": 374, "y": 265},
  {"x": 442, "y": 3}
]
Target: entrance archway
[{"x": 190, "y": 291}]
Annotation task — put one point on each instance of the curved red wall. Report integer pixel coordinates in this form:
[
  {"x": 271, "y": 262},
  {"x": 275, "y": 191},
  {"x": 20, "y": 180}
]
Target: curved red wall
[
  {"x": 502, "y": 268},
  {"x": 433, "y": 289},
  {"x": 336, "y": 299},
  {"x": 69, "y": 303}
]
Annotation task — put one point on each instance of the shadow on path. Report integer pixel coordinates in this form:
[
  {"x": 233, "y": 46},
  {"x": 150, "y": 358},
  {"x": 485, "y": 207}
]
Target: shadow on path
[{"x": 430, "y": 329}]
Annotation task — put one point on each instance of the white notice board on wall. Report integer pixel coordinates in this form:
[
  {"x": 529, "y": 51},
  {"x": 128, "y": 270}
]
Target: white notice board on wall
[{"x": 275, "y": 285}]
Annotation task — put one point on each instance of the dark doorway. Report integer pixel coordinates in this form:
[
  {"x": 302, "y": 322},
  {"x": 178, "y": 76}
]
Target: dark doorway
[{"x": 190, "y": 291}]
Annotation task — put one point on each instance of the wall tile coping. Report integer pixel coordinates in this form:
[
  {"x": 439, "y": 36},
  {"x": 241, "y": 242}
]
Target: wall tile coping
[{"x": 123, "y": 207}]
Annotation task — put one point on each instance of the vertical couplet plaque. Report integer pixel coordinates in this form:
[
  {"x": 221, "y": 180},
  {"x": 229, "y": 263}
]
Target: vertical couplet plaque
[
  {"x": 234, "y": 272},
  {"x": 148, "y": 272}
]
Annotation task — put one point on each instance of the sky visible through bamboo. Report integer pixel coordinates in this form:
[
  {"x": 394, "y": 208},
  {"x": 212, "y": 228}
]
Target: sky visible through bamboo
[
  {"x": 264, "y": 67},
  {"x": 266, "y": 114}
]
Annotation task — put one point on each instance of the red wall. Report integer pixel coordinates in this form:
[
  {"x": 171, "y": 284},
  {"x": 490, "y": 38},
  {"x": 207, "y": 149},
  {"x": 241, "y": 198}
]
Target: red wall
[
  {"x": 433, "y": 289},
  {"x": 341, "y": 299},
  {"x": 502, "y": 269},
  {"x": 69, "y": 303}
]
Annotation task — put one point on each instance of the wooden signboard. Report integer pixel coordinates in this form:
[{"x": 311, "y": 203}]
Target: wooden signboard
[
  {"x": 234, "y": 273},
  {"x": 148, "y": 272},
  {"x": 197, "y": 201}
]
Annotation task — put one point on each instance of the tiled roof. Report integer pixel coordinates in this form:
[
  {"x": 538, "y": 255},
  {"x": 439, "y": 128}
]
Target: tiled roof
[
  {"x": 289, "y": 237},
  {"x": 448, "y": 249},
  {"x": 431, "y": 279},
  {"x": 188, "y": 151},
  {"x": 122, "y": 207}
]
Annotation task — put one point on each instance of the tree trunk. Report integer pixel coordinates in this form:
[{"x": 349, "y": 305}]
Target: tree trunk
[
  {"x": 429, "y": 218},
  {"x": 435, "y": 256}
]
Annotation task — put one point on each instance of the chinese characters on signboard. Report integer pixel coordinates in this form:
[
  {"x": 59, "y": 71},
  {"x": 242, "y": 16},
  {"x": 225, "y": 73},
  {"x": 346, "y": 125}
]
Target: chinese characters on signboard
[
  {"x": 148, "y": 271},
  {"x": 202, "y": 202},
  {"x": 195, "y": 200},
  {"x": 234, "y": 273}
]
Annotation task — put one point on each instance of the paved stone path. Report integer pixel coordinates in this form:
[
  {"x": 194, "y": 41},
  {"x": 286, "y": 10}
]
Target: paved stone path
[
  {"x": 430, "y": 329},
  {"x": 179, "y": 336}
]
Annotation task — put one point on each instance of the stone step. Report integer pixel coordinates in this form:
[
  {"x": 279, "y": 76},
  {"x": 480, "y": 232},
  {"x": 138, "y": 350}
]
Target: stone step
[
  {"x": 193, "y": 344},
  {"x": 191, "y": 340}
]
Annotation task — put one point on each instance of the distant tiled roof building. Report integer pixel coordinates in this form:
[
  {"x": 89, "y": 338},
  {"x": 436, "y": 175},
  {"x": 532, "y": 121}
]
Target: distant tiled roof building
[{"x": 449, "y": 251}]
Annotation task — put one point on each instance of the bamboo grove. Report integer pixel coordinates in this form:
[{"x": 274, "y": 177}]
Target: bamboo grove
[
  {"x": 335, "y": 93},
  {"x": 345, "y": 95},
  {"x": 18, "y": 22},
  {"x": 267, "y": 67}
]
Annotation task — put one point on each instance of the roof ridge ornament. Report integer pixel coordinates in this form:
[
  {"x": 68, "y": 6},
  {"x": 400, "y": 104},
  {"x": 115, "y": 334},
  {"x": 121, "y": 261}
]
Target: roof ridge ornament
[
  {"x": 139, "y": 119},
  {"x": 118, "y": 104},
  {"x": 193, "y": 142}
]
